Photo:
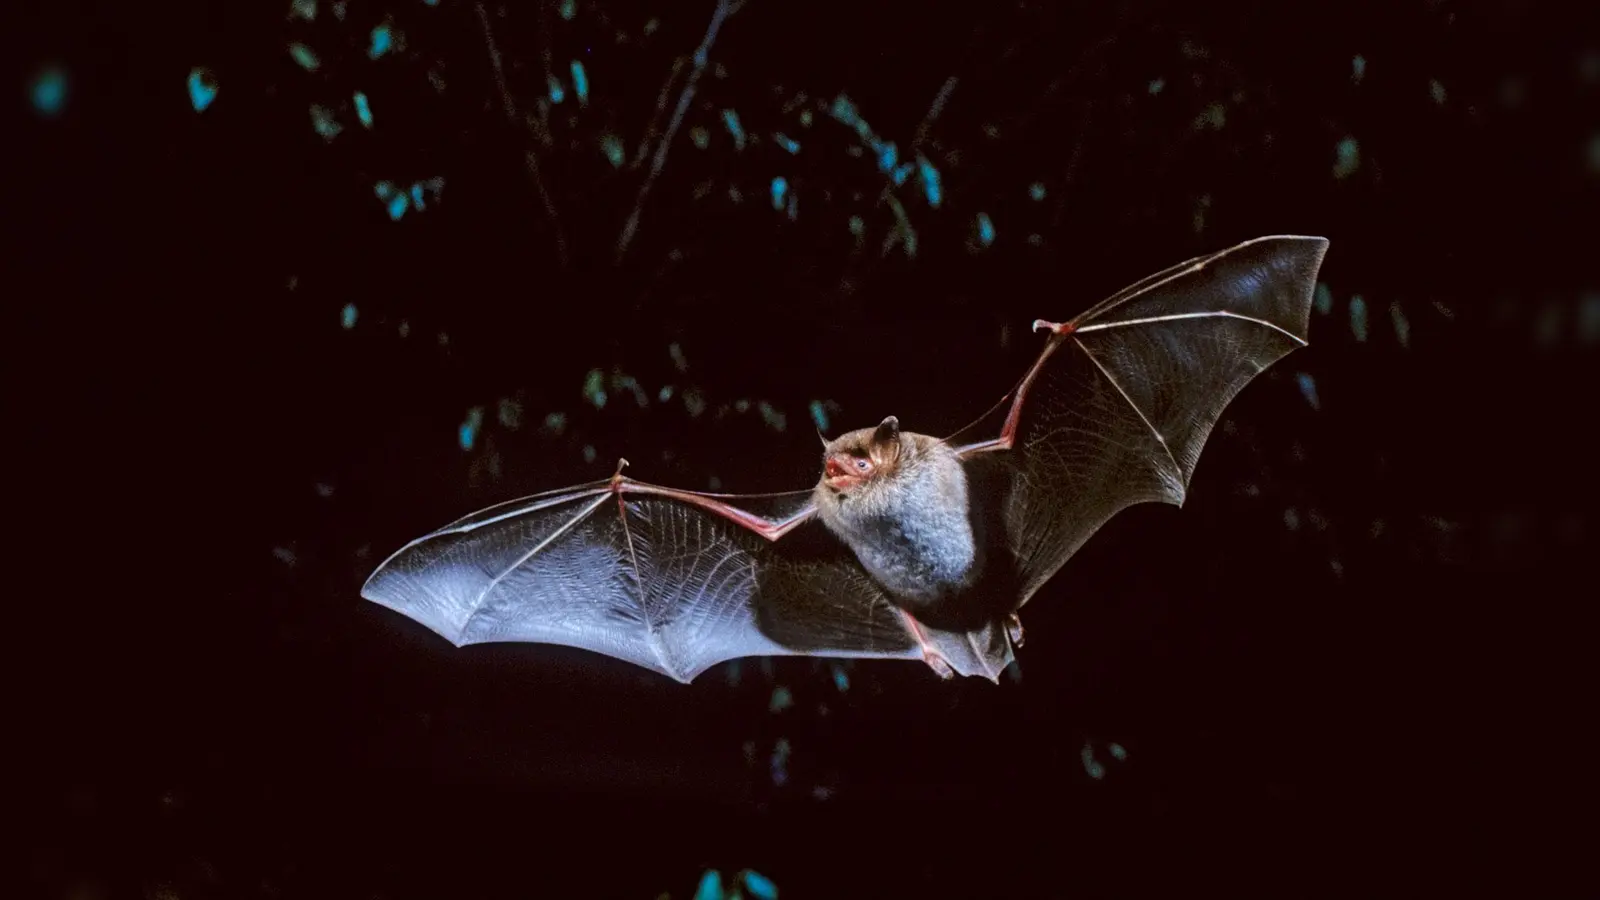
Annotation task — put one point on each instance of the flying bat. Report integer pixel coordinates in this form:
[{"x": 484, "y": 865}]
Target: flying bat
[{"x": 909, "y": 546}]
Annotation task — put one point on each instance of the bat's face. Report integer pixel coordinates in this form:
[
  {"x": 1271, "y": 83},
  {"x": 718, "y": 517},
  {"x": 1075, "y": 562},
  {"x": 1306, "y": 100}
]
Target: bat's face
[{"x": 855, "y": 461}]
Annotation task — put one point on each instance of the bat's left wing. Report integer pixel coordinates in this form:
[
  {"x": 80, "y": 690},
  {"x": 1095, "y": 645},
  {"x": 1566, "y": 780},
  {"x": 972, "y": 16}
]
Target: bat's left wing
[{"x": 674, "y": 581}]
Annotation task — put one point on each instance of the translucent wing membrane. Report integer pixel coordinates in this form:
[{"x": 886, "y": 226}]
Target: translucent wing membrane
[
  {"x": 1119, "y": 405},
  {"x": 669, "y": 580}
]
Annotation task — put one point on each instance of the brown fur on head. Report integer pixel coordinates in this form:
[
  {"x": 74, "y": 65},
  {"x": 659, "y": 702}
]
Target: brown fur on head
[{"x": 856, "y": 459}]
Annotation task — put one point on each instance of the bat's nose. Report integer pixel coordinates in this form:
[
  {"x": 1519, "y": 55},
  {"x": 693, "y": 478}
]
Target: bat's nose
[{"x": 834, "y": 468}]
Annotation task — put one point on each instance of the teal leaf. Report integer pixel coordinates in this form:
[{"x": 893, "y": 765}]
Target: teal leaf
[
  {"x": 772, "y": 416},
  {"x": 49, "y": 92},
  {"x": 1346, "y": 158},
  {"x": 931, "y": 186},
  {"x": 202, "y": 88},
  {"x": 841, "y": 678},
  {"x": 304, "y": 56},
  {"x": 1308, "y": 389},
  {"x": 467, "y": 433},
  {"x": 580, "y": 83},
  {"x": 1324, "y": 298},
  {"x": 819, "y": 415},
  {"x": 760, "y": 886},
  {"x": 781, "y": 700},
  {"x": 323, "y": 122},
  {"x": 710, "y": 887},
  {"x": 594, "y": 388},
  {"x": 888, "y": 155},
  {"x": 985, "y": 229},
  {"x": 382, "y": 41},
  {"x": 612, "y": 148},
  {"x": 730, "y": 119},
  {"x": 1090, "y": 766},
  {"x": 397, "y": 207},
  {"x": 363, "y": 109},
  {"x": 1402, "y": 325}
]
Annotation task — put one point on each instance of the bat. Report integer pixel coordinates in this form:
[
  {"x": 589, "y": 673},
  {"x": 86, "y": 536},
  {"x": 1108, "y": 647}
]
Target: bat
[{"x": 908, "y": 546}]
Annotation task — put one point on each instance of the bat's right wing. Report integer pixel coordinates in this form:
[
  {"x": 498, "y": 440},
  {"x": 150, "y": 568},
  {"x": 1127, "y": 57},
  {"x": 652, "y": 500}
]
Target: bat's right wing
[
  {"x": 674, "y": 581},
  {"x": 1122, "y": 398}
]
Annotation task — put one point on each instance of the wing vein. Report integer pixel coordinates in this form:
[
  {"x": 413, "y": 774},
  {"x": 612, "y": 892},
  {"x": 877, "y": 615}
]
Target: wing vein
[
  {"x": 1177, "y": 470},
  {"x": 1221, "y": 313},
  {"x": 494, "y": 582},
  {"x": 651, "y": 635}
]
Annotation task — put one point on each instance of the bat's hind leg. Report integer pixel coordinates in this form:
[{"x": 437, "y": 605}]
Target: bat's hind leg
[
  {"x": 930, "y": 654},
  {"x": 1014, "y": 629}
]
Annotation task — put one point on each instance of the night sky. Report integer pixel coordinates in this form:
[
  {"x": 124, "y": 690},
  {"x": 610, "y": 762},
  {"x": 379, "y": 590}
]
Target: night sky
[{"x": 296, "y": 282}]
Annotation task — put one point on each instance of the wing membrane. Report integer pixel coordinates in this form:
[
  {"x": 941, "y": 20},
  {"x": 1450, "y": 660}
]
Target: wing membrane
[
  {"x": 654, "y": 577},
  {"x": 1120, "y": 404}
]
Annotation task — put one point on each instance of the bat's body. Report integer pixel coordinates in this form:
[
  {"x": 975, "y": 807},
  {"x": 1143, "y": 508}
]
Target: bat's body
[
  {"x": 914, "y": 535},
  {"x": 909, "y": 546}
]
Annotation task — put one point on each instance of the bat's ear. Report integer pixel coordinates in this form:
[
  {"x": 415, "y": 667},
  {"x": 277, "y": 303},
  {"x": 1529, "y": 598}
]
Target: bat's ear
[{"x": 888, "y": 431}]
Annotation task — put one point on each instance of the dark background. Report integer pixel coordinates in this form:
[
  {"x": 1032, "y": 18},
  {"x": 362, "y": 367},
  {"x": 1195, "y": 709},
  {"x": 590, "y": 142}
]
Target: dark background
[{"x": 1351, "y": 663}]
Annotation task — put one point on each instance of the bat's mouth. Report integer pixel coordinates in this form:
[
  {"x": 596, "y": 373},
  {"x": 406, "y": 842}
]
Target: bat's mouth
[{"x": 842, "y": 483}]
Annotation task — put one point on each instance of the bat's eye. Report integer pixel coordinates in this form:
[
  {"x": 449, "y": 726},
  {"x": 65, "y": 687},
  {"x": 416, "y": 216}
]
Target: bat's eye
[{"x": 848, "y": 466}]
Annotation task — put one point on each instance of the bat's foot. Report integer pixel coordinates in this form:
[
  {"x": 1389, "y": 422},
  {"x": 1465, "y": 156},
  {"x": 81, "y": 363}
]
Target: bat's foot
[
  {"x": 1014, "y": 629},
  {"x": 930, "y": 654}
]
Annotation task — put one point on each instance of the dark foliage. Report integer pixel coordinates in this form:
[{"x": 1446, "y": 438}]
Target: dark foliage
[{"x": 258, "y": 342}]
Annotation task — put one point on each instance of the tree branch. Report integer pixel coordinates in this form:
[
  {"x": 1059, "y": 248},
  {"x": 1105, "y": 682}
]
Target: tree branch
[
  {"x": 530, "y": 155},
  {"x": 702, "y": 54}
]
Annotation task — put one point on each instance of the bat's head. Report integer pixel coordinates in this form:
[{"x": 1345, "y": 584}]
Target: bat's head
[{"x": 857, "y": 460}]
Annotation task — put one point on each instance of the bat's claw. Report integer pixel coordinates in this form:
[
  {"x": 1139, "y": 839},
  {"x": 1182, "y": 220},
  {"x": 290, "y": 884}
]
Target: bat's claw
[
  {"x": 930, "y": 654},
  {"x": 1014, "y": 629},
  {"x": 1053, "y": 327}
]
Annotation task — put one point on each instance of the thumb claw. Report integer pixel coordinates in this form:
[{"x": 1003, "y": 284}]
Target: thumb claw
[{"x": 1054, "y": 327}]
